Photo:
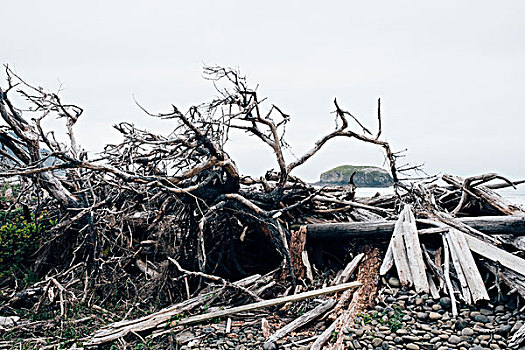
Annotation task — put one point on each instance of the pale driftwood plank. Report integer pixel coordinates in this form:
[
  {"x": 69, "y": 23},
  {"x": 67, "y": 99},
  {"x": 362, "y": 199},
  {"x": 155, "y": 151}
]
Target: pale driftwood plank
[
  {"x": 446, "y": 272},
  {"x": 388, "y": 260},
  {"x": 518, "y": 338},
  {"x": 455, "y": 255},
  {"x": 490, "y": 252},
  {"x": 267, "y": 303},
  {"x": 348, "y": 270},
  {"x": 323, "y": 338},
  {"x": 433, "y": 288},
  {"x": 400, "y": 255},
  {"x": 122, "y": 328},
  {"x": 474, "y": 280},
  {"x": 414, "y": 252},
  {"x": 303, "y": 319}
]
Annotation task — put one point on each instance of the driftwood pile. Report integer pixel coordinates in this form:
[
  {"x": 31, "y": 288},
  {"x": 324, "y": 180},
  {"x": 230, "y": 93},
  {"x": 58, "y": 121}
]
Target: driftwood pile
[{"x": 159, "y": 231}]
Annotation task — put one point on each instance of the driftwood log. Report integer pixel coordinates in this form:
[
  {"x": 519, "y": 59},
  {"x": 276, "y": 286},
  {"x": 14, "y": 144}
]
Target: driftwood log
[{"x": 488, "y": 224}]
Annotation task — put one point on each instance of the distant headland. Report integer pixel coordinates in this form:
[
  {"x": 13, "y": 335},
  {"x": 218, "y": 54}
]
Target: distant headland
[{"x": 366, "y": 176}]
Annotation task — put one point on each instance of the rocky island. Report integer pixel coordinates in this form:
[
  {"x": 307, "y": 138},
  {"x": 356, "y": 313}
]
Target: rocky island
[{"x": 365, "y": 176}]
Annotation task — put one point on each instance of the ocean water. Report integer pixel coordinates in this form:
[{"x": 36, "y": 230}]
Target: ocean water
[{"x": 514, "y": 196}]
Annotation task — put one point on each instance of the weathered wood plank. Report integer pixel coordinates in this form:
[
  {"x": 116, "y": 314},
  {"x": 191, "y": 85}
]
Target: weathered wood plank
[
  {"x": 474, "y": 280},
  {"x": 455, "y": 255},
  {"x": 388, "y": 261},
  {"x": 414, "y": 252},
  {"x": 496, "y": 254},
  {"x": 348, "y": 270},
  {"x": 400, "y": 255},
  {"x": 518, "y": 338},
  {"x": 446, "y": 272},
  {"x": 267, "y": 303},
  {"x": 303, "y": 319}
]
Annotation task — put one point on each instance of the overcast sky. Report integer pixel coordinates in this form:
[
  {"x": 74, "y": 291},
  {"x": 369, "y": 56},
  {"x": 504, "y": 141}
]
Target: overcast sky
[{"x": 450, "y": 74}]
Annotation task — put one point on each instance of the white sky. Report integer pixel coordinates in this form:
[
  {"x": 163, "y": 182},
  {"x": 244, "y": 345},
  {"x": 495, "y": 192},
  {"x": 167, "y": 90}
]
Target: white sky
[{"x": 451, "y": 74}]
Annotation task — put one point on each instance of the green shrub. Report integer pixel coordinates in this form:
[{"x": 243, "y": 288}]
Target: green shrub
[{"x": 20, "y": 237}]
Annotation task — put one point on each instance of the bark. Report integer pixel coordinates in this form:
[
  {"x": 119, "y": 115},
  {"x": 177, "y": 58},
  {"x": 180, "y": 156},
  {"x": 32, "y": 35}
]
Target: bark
[{"x": 487, "y": 224}]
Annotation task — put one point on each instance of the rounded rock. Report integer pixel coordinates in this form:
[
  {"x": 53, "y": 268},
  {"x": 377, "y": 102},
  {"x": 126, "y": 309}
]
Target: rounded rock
[
  {"x": 394, "y": 282},
  {"x": 269, "y": 346},
  {"x": 461, "y": 323},
  {"x": 422, "y": 315},
  {"x": 445, "y": 303},
  {"x": 504, "y": 329},
  {"x": 467, "y": 332},
  {"x": 454, "y": 339},
  {"x": 481, "y": 318},
  {"x": 376, "y": 342},
  {"x": 434, "y": 316}
]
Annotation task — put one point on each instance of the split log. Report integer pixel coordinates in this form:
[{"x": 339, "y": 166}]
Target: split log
[
  {"x": 362, "y": 298},
  {"x": 455, "y": 256},
  {"x": 399, "y": 255},
  {"x": 487, "y": 224},
  {"x": 307, "y": 265},
  {"x": 468, "y": 265},
  {"x": 407, "y": 253},
  {"x": 414, "y": 253}
]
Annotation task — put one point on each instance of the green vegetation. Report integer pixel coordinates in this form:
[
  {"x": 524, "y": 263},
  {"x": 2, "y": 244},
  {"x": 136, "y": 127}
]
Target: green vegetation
[
  {"x": 392, "y": 317},
  {"x": 20, "y": 236}
]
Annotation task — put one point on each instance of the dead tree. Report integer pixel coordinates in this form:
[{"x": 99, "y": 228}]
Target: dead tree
[{"x": 152, "y": 197}]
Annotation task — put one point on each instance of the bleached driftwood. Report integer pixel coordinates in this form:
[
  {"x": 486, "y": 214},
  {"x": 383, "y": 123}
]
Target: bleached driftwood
[
  {"x": 303, "y": 319},
  {"x": 324, "y": 337},
  {"x": 267, "y": 303},
  {"x": 307, "y": 265},
  {"x": 456, "y": 257},
  {"x": 518, "y": 338},
  {"x": 492, "y": 198},
  {"x": 122, "y": 328},
  {"x": 433, "y": 288},
  {"x": 496, "y": 254},
  {"x": 468, "y": 265},
  {"x": 446, "y": 272},
  {"x": 399, "y": 255},
  {"x": 348, "y": 270},
  {"x": 405, "y": 251}
]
